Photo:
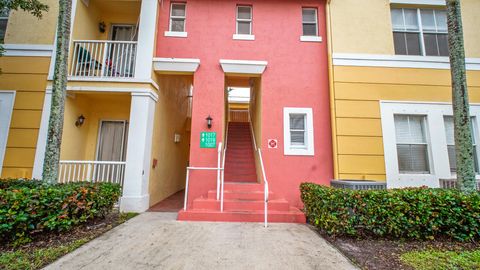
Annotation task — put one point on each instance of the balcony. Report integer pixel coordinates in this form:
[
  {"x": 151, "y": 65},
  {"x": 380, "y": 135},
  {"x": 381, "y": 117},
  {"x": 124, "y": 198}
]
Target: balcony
[{"x": 103, "y": 59}]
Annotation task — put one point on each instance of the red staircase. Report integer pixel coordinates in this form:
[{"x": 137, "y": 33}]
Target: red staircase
[{"x": 243, "y": 196}]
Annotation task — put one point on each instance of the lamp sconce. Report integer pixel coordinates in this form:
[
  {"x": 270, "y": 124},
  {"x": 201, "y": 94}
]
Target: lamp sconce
[
  {"x": 80, "y": 121},
  {"x": 102, "y": 27},
  {"x": 209, "y": 121}
]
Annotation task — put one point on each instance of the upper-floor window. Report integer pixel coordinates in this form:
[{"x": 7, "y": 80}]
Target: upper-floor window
[
  {"x": 244, "y": 20},
  {"x": 177, "y": 17},
  {"x": 420, "y": 31},
  {"x": 3, "y": 23},
  {"x": 309, "y": 22}
]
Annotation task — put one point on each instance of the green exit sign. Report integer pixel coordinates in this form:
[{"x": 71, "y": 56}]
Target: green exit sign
[{"x": 208, "y": 139}]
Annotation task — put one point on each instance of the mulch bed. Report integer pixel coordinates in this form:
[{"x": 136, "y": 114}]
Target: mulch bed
[
  {"x": 385, "y": 254},
  {"x": 89, "y": 230}
]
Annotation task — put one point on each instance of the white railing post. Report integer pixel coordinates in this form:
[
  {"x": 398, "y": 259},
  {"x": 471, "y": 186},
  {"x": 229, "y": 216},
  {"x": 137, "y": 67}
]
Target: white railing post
[
  {"x": 218, "y": 166},
  {"x": 185, "y": 197}
]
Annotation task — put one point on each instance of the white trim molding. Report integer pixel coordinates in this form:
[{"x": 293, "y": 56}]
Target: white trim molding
[
  {"x": 311, "y": 38},
  {"x": 243, "y": 66},
  {"x": 176, "y": 34},
  {"x": 42, "y": 136},
  {"x": 175, "y": 65},
  {"x": 419, "y": 2},
  {"x": 243, "y": 37},
  {"x": 34, "y": 50},
  {"x": 309, "y": 148},
  {"x": 436, "y": 141},
  {"x": 7, "y": 99},
  {"x": 399, "y": 61}
]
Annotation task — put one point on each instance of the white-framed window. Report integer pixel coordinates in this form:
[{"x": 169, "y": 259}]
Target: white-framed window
[
  {"x": 418, "y": 142},
  {"x": 449, "y": 135},
  {"x": 244, "y": 20},
  {"x": 7, "y": 99},
  {"x": 298, "y": 131},
  {"x": 419, "y": 31},
  {"x": 178, "y": 17},
  {"x": 412, "y": 146},
  {"x": 309, "y": 22},
  {"x": 3, "y": 23}
]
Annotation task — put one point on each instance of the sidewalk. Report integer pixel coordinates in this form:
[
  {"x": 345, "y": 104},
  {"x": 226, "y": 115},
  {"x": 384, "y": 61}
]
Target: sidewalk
[{"x": 158, "y": 241}]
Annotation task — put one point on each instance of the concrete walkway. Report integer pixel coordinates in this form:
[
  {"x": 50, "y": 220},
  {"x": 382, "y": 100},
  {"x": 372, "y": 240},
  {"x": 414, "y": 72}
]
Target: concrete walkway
[{"x": 158, "y": 241}]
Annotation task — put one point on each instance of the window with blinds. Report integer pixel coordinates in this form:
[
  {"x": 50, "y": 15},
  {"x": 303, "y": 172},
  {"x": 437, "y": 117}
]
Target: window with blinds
[
  {"x": 412, "y": 146},
  {"x": 449, "y": 133},
  {"x": 244, "y": 20},
  {"x": 309, "y": 22},
  {"x": 178, "y": 17},
  {"x": 420, "y": 31},
  {"x": 298, "y": 134}
]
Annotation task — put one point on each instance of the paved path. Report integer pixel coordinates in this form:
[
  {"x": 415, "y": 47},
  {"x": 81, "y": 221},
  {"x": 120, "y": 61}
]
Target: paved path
[{"x": 158, "y": 241}]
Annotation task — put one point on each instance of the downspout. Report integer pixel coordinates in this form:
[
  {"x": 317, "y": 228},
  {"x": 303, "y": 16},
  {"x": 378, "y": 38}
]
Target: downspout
[{"x": 331, "y": 76}]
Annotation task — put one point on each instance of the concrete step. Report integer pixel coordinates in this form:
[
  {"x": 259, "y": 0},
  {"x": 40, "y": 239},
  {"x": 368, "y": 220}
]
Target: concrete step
[
  {"x": 292, "y": 216},
  {"x": 240, "y": 205},
  {"x": 240, "y": 195}
]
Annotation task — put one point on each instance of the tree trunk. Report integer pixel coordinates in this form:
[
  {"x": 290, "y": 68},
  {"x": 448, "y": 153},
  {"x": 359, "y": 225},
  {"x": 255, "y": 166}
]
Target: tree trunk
[
  {"x": 461, "y": 111},
  {"x": 55, "y": 124}
]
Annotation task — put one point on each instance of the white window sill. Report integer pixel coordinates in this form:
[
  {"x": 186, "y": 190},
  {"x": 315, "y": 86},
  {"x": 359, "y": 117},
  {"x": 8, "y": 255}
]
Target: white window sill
[
  {"x": 243, "y": 37},
  {"x": 176, "y": 34},
  {"x": 298, "y": 152},
  {"x": 311, "y": 38}
]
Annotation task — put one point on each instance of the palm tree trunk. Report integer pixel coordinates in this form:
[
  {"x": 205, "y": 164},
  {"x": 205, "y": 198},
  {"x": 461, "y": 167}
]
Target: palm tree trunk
[
  {"x": 461, "y": 113},
  {"x": 55, "y": 124}
]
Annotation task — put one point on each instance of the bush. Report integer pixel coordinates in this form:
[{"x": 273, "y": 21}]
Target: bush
[
  {"x": 418, "y": 213},
  {"x": 28, "y": 207}
]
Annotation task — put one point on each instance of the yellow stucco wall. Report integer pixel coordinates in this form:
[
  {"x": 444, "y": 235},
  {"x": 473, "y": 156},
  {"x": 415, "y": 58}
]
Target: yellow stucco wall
[
  {"x": 80, "y": 143},
  {"x": 171, "y": 116},
  {"x": 358, "y": 91},
  {"x": 27, "y": 76},
  {"x": 358, "y": 27},
  {"x": 23, "y": 28}
]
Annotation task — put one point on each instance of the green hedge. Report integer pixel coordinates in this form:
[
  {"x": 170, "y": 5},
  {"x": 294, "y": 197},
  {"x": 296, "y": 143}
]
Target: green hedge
[
  {"x": 28, "y": 206},
  {"x": 418, "y": 213}
]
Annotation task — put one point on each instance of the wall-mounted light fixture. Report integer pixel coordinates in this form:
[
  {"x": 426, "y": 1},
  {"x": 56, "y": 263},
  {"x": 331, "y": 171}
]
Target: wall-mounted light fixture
[
  {"x": 209, "y": 121},
  {"x": 102, "y": 27},
  {"x": 80, "y": 121}
]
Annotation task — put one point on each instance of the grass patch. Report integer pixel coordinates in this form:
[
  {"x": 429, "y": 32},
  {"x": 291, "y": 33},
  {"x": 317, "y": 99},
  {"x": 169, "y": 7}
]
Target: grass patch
[
  {"x": 442, "y": 260},
  {"x": 25, "y": 259},
  {"x": 47, "y": 248}
]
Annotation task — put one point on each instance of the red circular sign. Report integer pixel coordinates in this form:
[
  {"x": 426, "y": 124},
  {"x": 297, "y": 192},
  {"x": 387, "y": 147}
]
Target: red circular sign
[{"x": 272, "y": 143}]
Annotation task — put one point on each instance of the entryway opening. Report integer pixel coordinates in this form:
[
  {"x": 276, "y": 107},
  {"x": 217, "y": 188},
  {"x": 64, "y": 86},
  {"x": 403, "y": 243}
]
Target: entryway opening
[{"x": 242, "y": 128}]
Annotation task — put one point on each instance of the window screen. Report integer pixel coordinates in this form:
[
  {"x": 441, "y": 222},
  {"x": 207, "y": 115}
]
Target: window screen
[
  {"x": 244, "y": 20},
  {"x": 309, "y": 22},
  {"x": 412, "y": 147},
  {"x": 298, "y": 130},
  {"x": 177, "y": 17}
]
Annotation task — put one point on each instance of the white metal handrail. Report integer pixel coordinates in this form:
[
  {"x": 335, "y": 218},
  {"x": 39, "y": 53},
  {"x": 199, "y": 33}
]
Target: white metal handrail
[
  {"x": 187, "y": 180},
  {"x": 103, "y": 58},
  {"x": 265, "y": 181},
  {"x": 91, "y": 171},
  {"x": 223, "y": 171}
]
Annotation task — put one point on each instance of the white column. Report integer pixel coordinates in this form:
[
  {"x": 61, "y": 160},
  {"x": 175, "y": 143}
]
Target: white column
[
  {"x": 139, "y": 147},
  {"x": 42, "y": 136},
  {"x": 146, "y": 39}
]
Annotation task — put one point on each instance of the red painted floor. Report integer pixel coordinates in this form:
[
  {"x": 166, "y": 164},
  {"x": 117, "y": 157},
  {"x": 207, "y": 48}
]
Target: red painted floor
[{"x": 171, "y": 204}]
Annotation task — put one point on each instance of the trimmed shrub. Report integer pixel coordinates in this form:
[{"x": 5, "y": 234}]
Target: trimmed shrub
[
  {"x": 418, "y": 213},
  {"x": 28, "y": 206}
]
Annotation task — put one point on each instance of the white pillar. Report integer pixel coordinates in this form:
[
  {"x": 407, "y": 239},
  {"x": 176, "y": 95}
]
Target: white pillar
[
  {"x": 42, "y": 136},
  {"x": 146, "y": 39},
  {"x": 139, "y": 147}
]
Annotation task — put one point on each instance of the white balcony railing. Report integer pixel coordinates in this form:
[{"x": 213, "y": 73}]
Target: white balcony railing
[
  {"x": 91, "y": 171},
  {"x": 103, "y": 59}
]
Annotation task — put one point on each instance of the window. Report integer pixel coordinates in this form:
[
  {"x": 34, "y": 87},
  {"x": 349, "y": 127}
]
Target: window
[
  {"x": 298, "y": 131},
  {"x": 412, "y": 147},
  {"x": 449, "y": 133},
  {"x": 3, "y": 23},
  {"x": 244, "y": 20},
  {"x": 420, "y": 31},
  {"x": 309, "y": 22},
  {"x": 177, "y": 17}
]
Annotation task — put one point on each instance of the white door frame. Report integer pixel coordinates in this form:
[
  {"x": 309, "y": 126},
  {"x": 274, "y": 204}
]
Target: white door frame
[
  {"x": 7, "y": 99},
  {"x": 125, "y": 122}
]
